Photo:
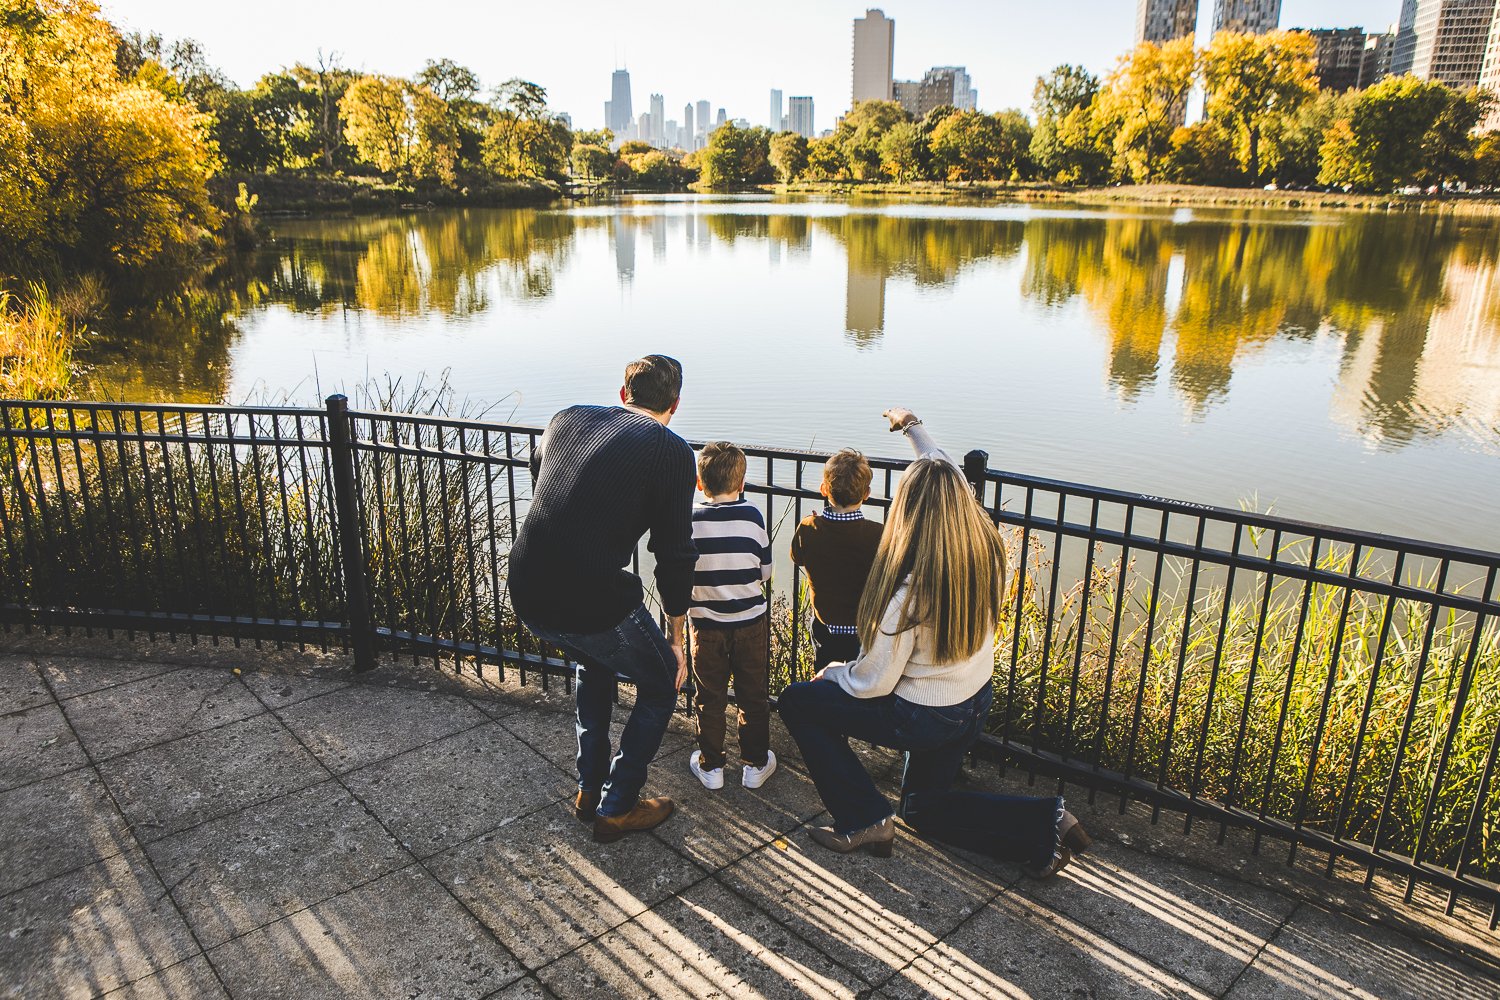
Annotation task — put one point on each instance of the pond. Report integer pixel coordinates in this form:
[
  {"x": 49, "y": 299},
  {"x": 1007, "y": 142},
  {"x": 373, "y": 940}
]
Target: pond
[{"x": 1338, "y": 368}]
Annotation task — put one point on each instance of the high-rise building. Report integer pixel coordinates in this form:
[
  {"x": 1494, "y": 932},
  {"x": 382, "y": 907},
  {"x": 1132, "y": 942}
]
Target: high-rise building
[
  {"x": 1376, "y": 64},
  {"x": 658, "y": 121},
  {"x": 689, "y": 134},
  {"x": 1443, "y": 40},
  {"x": 644, "y": 129},
  {"x": 1163, "y": 20},
  {"x": 620, "y": 113},
  {"x": 609, "y": 113},
  {"x": 800, "y": 116},
  {"x": 702, "y": 119},
  {"x": 721, "y": 119},
  {"x": 963, "y": 88},
  {"x": 774, "y": 119},
  {"x": 1254, "y": 17},
  {"x": 1489, "y": 74},
  {"x": 936, "y": 90},
  {"x": 1339, "y": 53},
  {"x": 874, "y": 57},
  {"x": 908, "y": 94}
]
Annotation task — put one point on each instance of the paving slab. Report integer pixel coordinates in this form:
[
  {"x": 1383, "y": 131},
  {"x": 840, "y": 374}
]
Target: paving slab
[
  {"x": 157, "y": 709},
  {"x": 278, "y": 689},
  {"x": 359, "y": 725},
  {"x": 707, "y": 942},
  {"x": 399, "y": 936},
  {"x": 727, "y": 824},
  {"x": 21, "y": 685},
  {"x": 1322, "y": 954},
  {"x": 555, "y": 736},
  {"x": 524, "y": 989},
  {"x": 55, "y": 825},
  {"x": 1015, "y": 948},
  {"x": 89, "y": 931},
  {"x": 190, "y": 980},
  {"x": 172, "y": 786},
  {"x": 71, "y": 676},
  {"x": 456, "y": 788},
  {"x": 1202, "y": 927},
  {"x": 544, "y": 887},
  {"x": 871, "y": 915},
  {"x": 37, "y": 743},
  {"x": 242, "y": 871}
]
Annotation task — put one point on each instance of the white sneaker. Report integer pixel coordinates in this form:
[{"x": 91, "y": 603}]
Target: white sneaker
[
  {"x": 712, "y": 780},
  {"x": 754, "y": 777}
]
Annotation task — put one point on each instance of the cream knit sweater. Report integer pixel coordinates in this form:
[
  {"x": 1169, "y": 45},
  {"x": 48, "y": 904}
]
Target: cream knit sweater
[{"x": 904, "y": 662}]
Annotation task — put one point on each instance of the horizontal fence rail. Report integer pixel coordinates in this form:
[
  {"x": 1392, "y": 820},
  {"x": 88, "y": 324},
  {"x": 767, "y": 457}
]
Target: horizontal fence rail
[{"x": 1329, "y": 688}]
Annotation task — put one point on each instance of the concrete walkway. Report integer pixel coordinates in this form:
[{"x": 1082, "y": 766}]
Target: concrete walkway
[{"x": 190, "y": 822}]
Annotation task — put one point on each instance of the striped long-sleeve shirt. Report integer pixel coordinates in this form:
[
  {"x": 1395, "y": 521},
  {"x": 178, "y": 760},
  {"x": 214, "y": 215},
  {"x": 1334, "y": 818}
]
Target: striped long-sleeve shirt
[{"x": 734, "y": 559}]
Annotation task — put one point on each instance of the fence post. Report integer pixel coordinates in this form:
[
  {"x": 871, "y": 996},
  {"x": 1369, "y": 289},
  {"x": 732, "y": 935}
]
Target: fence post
[
  {"x": 346, "y": 512},
  {"x": 976, "y": 464}
]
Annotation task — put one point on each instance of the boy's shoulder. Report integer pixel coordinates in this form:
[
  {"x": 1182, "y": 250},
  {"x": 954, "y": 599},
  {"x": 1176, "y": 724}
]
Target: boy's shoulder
[{"x": 741, "y": 510}]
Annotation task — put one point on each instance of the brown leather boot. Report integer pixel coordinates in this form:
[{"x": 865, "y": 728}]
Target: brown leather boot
[
  {"x": 877, "y": 838},
  {"x": 584, "y": 806},
  {"x": 1072, "y": 835},
  {"x": 648, "y": 813}
]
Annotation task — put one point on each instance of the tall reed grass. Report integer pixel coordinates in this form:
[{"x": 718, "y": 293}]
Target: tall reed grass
[{"x": 37, "y": 344}]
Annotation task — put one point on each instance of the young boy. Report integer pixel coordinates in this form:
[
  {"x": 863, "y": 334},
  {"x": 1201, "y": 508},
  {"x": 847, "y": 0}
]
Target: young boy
[
  {"x": 729, "y": 619},
  {"x": 836, "y": 547}
]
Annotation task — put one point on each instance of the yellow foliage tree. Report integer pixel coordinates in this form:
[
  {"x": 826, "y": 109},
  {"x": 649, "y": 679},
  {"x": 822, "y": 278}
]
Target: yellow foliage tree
[
  {"x": 96, "y": 172},
  {"x": 1144, "y": 99},
  {"x": 1255, "y": 84}
]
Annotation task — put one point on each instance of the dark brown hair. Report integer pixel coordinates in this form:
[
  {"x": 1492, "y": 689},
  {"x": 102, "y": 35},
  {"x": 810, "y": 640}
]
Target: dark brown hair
[
  {"x": 721, "y": 468},
  {"x": 653, "y": 383},
  {"x": 848, "y": 476}
]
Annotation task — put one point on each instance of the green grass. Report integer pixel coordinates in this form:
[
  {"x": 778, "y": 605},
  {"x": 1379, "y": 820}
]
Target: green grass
[{"x": 37, "y": 343}]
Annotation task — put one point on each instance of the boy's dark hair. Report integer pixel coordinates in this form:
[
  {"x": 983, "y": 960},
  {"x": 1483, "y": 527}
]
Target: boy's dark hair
[
  {"x": 848, "y": 475},
  {"x": 721, "y": 468},
  {"x": 653, "y": 383}
]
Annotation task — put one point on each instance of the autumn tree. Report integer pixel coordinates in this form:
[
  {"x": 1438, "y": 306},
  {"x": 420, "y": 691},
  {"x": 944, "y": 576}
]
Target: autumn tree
[
  {"x": 98, "y": 170},
  {"x": 861, "y": 131},
  {"x": 736, "y": 156},
  {"x": 1056, "y": 96},
  {"x": 381, "y": 117},
  {"x": 1143, "y": 100},
  {"x": 525, "y": 139},
  {"x": 825, "y": 158},
  {"x": 901, "y": 150},
  {"x": 788, "y": 155},
  {"x": 1378, "y": 143},
  {"x": 1254, "y": 84}
]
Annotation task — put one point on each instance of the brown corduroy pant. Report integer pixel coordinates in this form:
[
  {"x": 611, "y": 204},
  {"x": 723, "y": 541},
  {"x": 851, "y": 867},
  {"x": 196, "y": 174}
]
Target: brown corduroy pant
[{"x": 738, "y": 656}]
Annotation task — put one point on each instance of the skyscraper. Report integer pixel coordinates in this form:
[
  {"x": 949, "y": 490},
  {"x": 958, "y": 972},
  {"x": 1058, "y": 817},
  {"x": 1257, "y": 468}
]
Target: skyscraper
[
  {"x": 800, "y": 116},
  {"x": 1443, "y": 40},
  {"x": 1376, "y": 64},
  {"x": 1339, "y": 53},
  {"x": 620, "y": 113},
  {"x": 908, "y": 94},
  {"x": 874, "y": 56},
  {"x": 689, "y": 134},
  {"x": 964, "y": 98},
  {"x": 1254, "y": 17},
  {"x": 936, "y": 91},
  {"x": 658, "y": 136},
  {"x": 1163, "y": 20},
  {"x": 775, "y": 117},
  {"x": 721, "y": 119},
  {"x": 1489, "y": 74}
]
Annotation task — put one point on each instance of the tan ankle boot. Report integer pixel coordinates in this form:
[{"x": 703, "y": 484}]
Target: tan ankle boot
[
  {"x": 877, "y": 838},
  {"x": 584, "y": 806},
  {"x": 648, "y": 813}
]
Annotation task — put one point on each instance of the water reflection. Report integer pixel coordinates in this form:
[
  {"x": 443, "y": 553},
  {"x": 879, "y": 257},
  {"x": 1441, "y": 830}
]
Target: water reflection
[{"x": 1181, "y": 301}]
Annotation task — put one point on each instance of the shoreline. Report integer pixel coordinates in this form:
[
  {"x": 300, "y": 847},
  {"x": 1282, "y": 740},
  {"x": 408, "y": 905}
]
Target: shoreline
[{"x": 1162, "y": 195}]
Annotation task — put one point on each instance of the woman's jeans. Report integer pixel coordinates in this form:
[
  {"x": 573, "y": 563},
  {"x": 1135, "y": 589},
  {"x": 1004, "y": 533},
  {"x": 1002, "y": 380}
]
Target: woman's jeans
[
  {"x": 822, "y": 716},
  {"x": 636, "y": 651}
]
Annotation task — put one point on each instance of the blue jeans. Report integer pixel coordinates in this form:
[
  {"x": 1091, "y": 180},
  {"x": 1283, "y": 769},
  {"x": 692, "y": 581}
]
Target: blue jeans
[
  {"x": 636, "y": 651},
  {"x": 822, "y": 716}
]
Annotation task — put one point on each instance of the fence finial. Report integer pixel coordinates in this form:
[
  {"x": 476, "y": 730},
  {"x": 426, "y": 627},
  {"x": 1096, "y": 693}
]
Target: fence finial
[{"x": 976, "y": 464}]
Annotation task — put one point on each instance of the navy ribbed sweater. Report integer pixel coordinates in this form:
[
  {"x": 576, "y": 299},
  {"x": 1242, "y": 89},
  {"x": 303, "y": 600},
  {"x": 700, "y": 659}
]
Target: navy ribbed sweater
[{"x": 603, "y": 477}]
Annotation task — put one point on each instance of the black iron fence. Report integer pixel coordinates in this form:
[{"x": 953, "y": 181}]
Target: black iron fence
[{"x": 1329, "y": 688}]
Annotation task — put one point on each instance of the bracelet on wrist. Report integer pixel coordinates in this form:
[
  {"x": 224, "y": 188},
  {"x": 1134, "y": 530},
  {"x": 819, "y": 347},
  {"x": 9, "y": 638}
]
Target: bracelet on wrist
[{"x": 914, "y": 421}]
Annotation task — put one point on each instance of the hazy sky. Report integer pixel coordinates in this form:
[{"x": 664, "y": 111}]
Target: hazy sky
[{"x": 729, "y": 54}]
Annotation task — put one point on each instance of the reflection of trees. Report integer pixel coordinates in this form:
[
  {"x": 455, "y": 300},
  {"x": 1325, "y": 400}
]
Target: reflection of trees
[
  {"x": 441, "y": 262},
  {"x": 1240, "y": 282}
]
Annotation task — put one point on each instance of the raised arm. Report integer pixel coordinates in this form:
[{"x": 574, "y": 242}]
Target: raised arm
[{"x": 916, "y": 432}]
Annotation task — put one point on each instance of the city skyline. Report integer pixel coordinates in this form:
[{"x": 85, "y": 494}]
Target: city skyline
[{"x": 684, "y": 59}]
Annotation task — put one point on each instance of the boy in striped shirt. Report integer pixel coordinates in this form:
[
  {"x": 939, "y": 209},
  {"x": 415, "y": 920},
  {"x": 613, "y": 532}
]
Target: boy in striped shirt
[{"x": 728, "y": 615}]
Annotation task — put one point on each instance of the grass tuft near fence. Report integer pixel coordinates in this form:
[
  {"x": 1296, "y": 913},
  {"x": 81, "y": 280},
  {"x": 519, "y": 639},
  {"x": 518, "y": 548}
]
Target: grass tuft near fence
[{"x": 37, "y": 343}]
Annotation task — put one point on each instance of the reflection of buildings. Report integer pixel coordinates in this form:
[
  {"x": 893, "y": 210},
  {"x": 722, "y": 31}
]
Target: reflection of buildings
[
  {"x": 1428, "y": 369},
  {"x": 622, "y": 235},
  {"x": 864, "y": 304}
]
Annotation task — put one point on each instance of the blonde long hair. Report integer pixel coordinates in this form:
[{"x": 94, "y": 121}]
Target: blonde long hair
[{"x": 937, "y": 535}]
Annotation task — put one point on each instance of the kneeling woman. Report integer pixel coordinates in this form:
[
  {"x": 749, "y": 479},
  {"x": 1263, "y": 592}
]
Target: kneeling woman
[{"x": 927, "y": 624}]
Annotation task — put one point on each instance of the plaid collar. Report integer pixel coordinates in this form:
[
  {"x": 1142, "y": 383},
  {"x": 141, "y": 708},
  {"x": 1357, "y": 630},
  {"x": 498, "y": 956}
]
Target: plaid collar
[{"x": 833, "y": 515}]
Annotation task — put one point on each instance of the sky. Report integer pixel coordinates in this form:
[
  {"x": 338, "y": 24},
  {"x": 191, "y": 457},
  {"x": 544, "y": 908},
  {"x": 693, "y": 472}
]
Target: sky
[{"x": 728, "y": 54}]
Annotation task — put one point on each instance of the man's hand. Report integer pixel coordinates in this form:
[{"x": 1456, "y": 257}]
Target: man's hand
[
  {"x": 678, "y": 652},
  {"x": 899, "y": 416},
  {"x": 676, "y": 636}
]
